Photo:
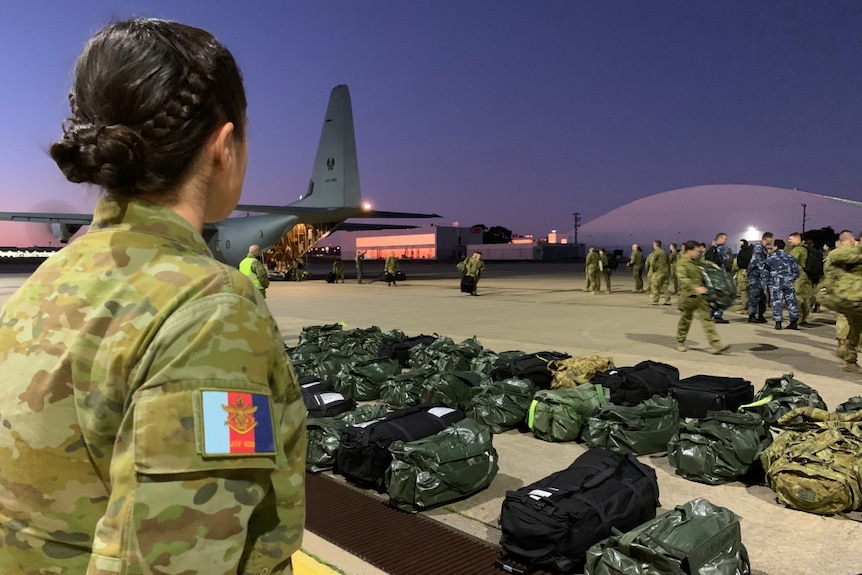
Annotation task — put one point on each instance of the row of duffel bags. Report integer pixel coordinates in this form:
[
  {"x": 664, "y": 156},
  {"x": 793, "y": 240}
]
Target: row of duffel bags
[{"x": 422, "y": 456}]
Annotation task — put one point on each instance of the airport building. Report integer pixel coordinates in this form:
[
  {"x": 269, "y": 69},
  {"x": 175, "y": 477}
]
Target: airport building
[
  {"x": 452, "y": 243},
  {"x": 699, "y": 212},
  {"x": 444, "y": 243}
]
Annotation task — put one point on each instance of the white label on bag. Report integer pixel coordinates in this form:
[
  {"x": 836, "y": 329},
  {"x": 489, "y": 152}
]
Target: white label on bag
[
  {"x": 329, "y": 397},
  {"x": 440, "y": 411},
  {"x": 539, "y": 494}
]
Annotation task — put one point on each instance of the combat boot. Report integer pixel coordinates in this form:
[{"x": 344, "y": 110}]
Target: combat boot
[
  {"x": 760, "y": 319},
  {"x": 681, "y": 347},
  {"x": 852, "y": 367},
  {"x": 793, "y": 325},
  {"x": 778, "y": 325},
  {"x": 842, "y": 347},
  {"x": 718, "y": 348}
]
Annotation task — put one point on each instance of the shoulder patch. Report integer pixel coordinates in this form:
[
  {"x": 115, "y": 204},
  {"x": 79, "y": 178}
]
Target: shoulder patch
[{"x": 236, "y": 423}]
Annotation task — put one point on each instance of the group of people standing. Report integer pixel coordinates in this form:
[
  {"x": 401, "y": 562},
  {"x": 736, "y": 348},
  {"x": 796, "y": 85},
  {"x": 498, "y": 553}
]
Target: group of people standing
[{"x": 770, "y": 272}]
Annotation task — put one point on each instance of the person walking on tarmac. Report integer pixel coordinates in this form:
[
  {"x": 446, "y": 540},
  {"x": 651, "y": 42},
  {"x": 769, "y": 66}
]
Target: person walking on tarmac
[
  {"x": 360, "y": 256},
  {"x": 473, "y": 268},
  {"x": 607, "y": 263},
  {"x": 338, "y": 271},
  {"x": 254, "y": 269},
  {"x": 691, "y": 300},
  {"x": 636, "y": 262},
  {"x": 390, "y": 268}
]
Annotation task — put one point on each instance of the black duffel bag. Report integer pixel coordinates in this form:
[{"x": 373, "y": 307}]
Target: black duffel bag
[
  {"x": 532, "y": 366},
  {"x": 553, "y": 522},
  {"x": 363, "y": 453},
  {"x": 699, "y": 394},
  {"x": 327, "y": 403},
  {"x": 400, "y": 349},
  {"x": 632, "y": 385}
]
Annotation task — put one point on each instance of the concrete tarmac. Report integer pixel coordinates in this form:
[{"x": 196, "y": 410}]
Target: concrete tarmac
[{"x": 534, "y": 307}]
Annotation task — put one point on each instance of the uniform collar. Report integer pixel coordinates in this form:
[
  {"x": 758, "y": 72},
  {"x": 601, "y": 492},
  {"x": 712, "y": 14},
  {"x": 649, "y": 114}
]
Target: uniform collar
[{"x": 148, "y": 218}]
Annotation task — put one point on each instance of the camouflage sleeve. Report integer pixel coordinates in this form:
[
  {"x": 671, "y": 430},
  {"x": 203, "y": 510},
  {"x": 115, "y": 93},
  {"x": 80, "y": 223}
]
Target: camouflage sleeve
[
  {"x": 180, "y": 503},
  {"x": 260, "y": 271}
]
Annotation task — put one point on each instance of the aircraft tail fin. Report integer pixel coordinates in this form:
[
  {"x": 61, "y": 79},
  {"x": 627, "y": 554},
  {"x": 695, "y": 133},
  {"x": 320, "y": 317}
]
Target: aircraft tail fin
[{"x": 335, "y": 175}]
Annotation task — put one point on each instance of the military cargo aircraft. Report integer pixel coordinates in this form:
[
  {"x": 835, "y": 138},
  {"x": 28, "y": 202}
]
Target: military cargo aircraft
[{"x": 333, "y": 196}]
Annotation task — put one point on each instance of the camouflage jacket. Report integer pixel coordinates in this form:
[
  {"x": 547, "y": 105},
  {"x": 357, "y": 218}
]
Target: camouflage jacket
[
  {"x": 128, "y": 358},
  {"x": 688, "y": 272},
  {"x": 474, "y": 267},
  {"x": 782, "y": 267},
  {"x": 593, "y": 260},
  {"x": 636, "y": 260},
  {"x": 758, "y": 261},
  {"x": 391, "y": 265},
  {"x": 658, "y": 263}
]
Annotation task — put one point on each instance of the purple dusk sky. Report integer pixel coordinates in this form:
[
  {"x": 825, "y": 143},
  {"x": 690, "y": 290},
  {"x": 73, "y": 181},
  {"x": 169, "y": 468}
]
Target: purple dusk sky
[{"x": 501, "y": 112}]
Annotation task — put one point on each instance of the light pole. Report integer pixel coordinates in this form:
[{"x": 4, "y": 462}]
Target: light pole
[
  {"x": 577, "y": 216},
  {"x": 803, "y": 217}
]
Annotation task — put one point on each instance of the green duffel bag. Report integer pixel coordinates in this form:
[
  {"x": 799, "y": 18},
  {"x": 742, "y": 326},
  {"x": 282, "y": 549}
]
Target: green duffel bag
[
  {"x": 405, "y": 389},
  {"x": 851, "y": 405},
  {"x": 641, "y": 429},
  {"x": 324, "y": 433},
  {"x": 330, "y": 363},
  {"x": 780, "y": 395},
  {"x": 502, "y": 405},
  {"x": 817, "y": 469},
  {"x": 453, "y": 464},
  {"x": 362, "y": 380},
  {"x": 695, "y": 538},
  {"x": 560, "y": 414},
  {"x": 453, "y": 389},
  {"x": 312, "y": 333},
  {"x": 303, "y": 358},
  {"x": 721, "y": 447}
]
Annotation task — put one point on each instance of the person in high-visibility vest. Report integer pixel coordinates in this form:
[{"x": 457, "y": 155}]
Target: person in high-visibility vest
[{"x": 252, "y": 267}]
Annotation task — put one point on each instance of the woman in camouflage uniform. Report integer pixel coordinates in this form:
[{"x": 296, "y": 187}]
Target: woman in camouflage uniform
[{"x": 150, "y": 419}]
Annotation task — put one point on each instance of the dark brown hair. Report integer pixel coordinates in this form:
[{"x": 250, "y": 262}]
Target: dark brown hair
[{"x": 146, "y": 96}]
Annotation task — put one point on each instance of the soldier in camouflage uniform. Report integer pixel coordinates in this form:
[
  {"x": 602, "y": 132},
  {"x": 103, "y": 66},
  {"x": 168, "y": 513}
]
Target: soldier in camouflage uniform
[
  {"x": 636, "y": 262},
  {"x": 673, "y": 256},
  {"x": 741, "y": 276},
  {"x": 758, "y": 277},
  {"x": 842, "y": 325},
  {"x": 783, "y": 272},
  {"x": 658, "y": 266},
  {"x": 151, "y": 421},
  {"x": 724, "y": 258},
  {"x": 605, "y": 269},
  {"x": 474, "y": 267},
  {"x": 691, "y": 300},
  {"x": 803, "y": 287},
  {"x": 593, "y": 278}
]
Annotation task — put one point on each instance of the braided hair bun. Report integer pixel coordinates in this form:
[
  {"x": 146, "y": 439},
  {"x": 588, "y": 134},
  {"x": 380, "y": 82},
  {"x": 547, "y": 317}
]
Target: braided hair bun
[{"x": 147, "y": 95}]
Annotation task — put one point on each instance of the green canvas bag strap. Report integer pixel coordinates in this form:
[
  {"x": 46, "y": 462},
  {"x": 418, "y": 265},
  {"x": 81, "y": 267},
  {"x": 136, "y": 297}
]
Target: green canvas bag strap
[
  {"x": 757, "y": 403},
  {"x": 532, "y": 413},
  {"x": 600, "y": 394}
]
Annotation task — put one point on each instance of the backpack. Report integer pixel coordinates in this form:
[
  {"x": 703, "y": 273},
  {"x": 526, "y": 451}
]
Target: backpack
[
  {"x": 721, "y": 287},
  {"x": 818, "y": 468},
  {"x": 713, "y": 256},
  {"x": 613, "y": 262},
  {"x": 814, "y": 264},
  {"x": 574, "y": 371},
  {"x": 743, "y": 258},
  {"x": 842, "y": 281}
]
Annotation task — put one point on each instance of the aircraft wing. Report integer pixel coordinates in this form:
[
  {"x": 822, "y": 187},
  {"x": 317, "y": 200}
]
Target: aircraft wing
[
  {"x": 47, "y": 218},
  {"x": 345, "y": 212}
]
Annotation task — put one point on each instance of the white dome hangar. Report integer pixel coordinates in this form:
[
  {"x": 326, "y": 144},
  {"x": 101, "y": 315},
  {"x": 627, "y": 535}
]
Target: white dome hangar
[{"x": 700, "y": 212}]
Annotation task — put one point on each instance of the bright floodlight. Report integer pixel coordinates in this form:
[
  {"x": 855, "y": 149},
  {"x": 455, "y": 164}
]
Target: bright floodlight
[
  {"x": 752, "y": 234},
  {"x": 366, "y": 206}
]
